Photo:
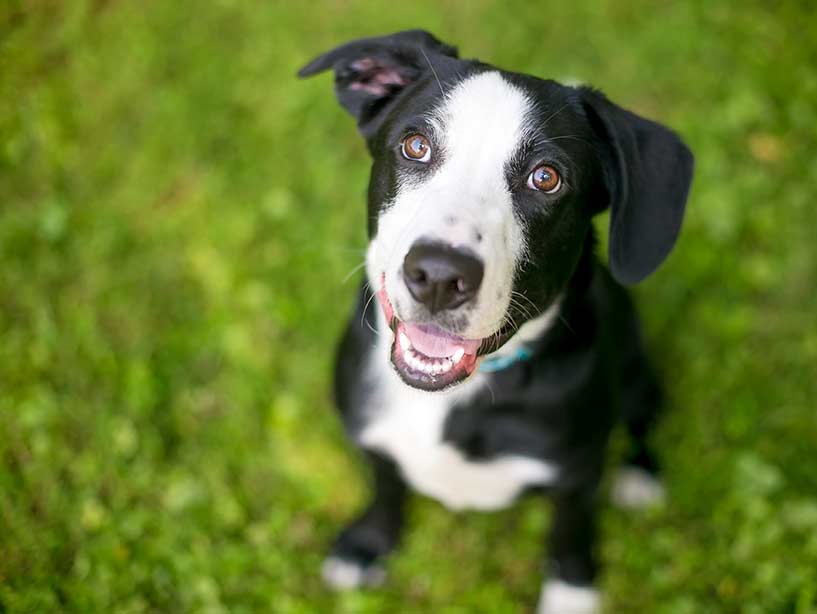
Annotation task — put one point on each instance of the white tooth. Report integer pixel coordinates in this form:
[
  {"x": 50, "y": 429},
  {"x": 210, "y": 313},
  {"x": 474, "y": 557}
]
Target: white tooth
[
  {"x": 458, "y": 355},
  {"x": 404, "y": 340},
  {"x": 446, "y": 366}
]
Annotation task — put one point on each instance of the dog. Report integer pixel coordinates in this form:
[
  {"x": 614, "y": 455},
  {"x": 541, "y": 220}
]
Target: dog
[{"x": 503, "y": 353}]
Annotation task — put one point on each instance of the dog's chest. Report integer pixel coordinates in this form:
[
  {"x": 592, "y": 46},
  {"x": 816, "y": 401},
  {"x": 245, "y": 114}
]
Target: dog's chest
[{"x": 408, "y": 427}]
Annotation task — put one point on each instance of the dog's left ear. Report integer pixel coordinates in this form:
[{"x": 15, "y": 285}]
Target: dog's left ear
[
  {"x": 370, "y": 72},
  {"x": 648, "y": 175}
]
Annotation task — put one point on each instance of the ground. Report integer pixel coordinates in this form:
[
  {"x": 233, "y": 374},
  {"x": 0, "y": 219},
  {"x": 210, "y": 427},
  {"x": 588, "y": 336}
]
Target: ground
[{"x": 180, "y": 222}]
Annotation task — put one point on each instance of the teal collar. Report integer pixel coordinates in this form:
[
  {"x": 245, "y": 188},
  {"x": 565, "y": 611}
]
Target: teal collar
[{"x": 492, "y": 364}]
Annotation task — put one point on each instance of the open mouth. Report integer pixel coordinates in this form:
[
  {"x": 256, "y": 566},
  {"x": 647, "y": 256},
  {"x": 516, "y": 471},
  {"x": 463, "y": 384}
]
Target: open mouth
[{"x": 428, "y": 357}]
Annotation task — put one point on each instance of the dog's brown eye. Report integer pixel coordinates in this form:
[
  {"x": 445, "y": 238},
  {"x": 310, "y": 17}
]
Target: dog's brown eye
[
  {"x": 416, "y": 147},
  {"x": 545, "y": 179}
]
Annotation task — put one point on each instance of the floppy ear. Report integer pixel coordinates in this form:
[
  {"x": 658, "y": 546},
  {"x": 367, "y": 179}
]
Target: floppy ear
[
  {"x": 648, "y": 175},
  {"x": 370, "y": 72}
]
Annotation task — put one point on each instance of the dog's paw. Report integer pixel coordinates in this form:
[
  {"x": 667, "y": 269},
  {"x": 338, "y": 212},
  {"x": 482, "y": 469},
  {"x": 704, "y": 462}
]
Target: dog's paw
[
  {"x": 559, "y": 597},
  {"x": 636, "y": 488},
  {"x": 345, "y": 574}
]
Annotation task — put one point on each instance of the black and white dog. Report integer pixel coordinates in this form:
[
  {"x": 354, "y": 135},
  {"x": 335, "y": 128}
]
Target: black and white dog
[{"x": 503, "y": 352}]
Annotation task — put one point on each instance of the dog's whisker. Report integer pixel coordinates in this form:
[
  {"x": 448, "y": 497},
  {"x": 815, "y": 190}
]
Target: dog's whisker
[
  {"x": 366, "y": 306},
  {"x": 371, "y": 328},
  {"x": 555, "y": 113},
  {"x": 534, "y": 307},
  {"x": 567, "y": 324},
  {"x": 572, "y": 137},
  {"x": 353, "y": 271},
  {"x": 522, "y": 295},
  {"x": 433, "y": 72},
  {"x": 524, "y": 312},
  {"x": 516, "y": 296},
  {"x": 515, "y": 303}
]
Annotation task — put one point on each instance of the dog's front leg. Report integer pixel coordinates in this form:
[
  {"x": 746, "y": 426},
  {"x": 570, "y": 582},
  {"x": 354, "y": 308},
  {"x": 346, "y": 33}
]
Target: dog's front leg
[
  {"x": 357, "y": 556},
  {"x": 570, "y": 589}
]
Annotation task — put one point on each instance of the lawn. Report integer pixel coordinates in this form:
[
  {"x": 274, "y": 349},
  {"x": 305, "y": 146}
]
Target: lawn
[{"x": 178, "y": 220}]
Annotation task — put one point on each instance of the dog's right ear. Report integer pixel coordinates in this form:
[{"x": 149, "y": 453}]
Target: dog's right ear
[{"x": 370, "y": 72}]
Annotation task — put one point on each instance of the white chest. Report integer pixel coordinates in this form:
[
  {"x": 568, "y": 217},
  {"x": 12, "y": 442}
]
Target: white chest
[{"x": 407, "y": 425}]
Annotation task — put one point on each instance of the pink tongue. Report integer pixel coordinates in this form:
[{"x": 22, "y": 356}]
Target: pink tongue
[{"x": 436, "y": 343}]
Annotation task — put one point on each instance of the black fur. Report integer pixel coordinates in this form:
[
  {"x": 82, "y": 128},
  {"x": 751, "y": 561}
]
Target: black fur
[
  {"x": 587, "y": 371},
  {"x": 404, "y": 55}
]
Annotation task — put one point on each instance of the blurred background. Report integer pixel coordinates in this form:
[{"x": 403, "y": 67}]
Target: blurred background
[{"x": 179, "y": 217}]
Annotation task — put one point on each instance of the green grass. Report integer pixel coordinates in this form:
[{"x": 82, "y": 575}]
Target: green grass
[{"x": 177, "y": 217}]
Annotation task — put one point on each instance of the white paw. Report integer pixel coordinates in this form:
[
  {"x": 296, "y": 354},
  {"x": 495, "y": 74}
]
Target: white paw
[
  {"x": 562, "y": 598},
  {"x": 343, "y": 574},
  {"x": 635, "y": 488}
]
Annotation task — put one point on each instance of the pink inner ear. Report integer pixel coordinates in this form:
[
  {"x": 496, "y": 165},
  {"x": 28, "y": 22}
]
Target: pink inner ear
[{"x": 375, "y": 78}]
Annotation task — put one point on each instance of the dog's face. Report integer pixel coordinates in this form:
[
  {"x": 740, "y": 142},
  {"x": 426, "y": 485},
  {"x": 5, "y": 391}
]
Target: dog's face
[
  {"x": 480, "y": 210},
  {"x": 483, "y": 187}
]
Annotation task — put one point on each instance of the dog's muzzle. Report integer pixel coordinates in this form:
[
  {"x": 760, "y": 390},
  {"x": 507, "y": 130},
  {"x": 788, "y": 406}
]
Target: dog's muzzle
[{"x": 426, "y": 356}]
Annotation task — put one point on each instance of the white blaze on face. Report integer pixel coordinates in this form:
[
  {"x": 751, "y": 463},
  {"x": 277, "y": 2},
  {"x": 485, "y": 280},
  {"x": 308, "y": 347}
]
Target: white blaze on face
[{"x": 465, "y": 202}]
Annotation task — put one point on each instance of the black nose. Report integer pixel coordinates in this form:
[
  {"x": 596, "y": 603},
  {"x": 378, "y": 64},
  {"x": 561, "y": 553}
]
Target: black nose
[{"x": 441, "y": 276}]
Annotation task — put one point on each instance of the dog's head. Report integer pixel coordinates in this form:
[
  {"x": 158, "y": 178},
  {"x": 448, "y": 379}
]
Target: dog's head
[{"x": 483, "y": 186}]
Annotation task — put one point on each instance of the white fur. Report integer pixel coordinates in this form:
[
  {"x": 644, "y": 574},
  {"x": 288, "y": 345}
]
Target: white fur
[
  {"x": 635, "y": 488},
  {"x": 478, "y": 127},
  {"x": 562, "y": 598},
  {"x": 407, "y": 424},
  {"x": 341, "y": 574}
]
